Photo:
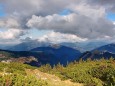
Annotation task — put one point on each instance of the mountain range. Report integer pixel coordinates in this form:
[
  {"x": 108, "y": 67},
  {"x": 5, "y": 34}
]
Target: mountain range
[
  {"x": 26, "y": 46},
  {"x": 81, "y": 46},
  {"x": 58, "y": 53},
  {"x": 107, "y": 48},
  {"x": 55, "y": 53},
  {"x": 96, "y": 55},
  {"x": 52, "y": 54}
]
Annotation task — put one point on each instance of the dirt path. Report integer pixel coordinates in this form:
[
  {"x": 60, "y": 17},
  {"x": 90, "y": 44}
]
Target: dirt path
[{"x": 52, "y": 79}]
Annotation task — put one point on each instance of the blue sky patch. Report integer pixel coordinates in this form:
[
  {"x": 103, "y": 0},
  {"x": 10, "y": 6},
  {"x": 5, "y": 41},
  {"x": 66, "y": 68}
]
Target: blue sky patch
[
  {"x": 65, "y": 12},
  {"x": 2, "y": 13},
  {"x": 111, "y": 16},
  {"x": 34, "y": 33}
]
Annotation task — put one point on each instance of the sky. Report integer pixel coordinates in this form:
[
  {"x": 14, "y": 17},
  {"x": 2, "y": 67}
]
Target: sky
[{"x": 56, "y": 20}]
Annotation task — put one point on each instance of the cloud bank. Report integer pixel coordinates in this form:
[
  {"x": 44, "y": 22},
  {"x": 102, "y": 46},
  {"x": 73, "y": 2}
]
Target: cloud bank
[
  {"x": 79, "y": 25},
  {"x": 86, "y": 19}
]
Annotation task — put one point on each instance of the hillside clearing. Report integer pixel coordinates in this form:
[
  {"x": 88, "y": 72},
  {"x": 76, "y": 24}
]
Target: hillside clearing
[{"x": 51, "y": 79}]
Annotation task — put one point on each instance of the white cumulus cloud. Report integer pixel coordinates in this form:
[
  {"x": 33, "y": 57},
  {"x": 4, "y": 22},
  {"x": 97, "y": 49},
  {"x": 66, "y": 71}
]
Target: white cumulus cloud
[
  {"x": 56, "y": 37},
  {"x": 11, "y": 34}
]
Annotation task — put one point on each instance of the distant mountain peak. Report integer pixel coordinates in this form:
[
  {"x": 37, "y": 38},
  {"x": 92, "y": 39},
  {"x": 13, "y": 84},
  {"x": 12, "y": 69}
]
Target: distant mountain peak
[
  {"x": 107, "y": 48},
  {"x": 55, "y": 46}
]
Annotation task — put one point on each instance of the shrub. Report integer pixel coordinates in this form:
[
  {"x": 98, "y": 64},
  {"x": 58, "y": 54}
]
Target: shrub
[{"x": 20, "y": 80}]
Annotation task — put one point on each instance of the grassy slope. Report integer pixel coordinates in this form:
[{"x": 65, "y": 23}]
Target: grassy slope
[
  {"x": 91, "y": 73},
  {"x": 9, "y": 72},
  {"x": 52, "y": 79}
]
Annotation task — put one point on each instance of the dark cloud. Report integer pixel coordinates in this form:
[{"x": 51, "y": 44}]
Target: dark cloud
[
  {"x": 87, "y": 20},
  {"x": 108, "y": 4},
  {"x": 25, "y": 7},
  {"x": 79, "y": 25},
  {"x": 22, "y": 10}
]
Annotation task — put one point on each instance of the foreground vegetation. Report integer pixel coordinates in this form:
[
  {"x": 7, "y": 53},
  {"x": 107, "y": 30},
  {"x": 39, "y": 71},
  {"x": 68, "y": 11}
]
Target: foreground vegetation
[
  {"x": 14, "y": 74},
  {"x": 17, "y": 74},
  {"x": 91, "y": 73}
]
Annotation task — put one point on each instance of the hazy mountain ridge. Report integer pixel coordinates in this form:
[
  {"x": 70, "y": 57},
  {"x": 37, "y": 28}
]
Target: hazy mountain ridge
[
  {"x": 26, "y": 46},
  {"x": 81, "y": 46},
  {"x": 108, "y": 48},
  {"x": 97, "y": 55}
]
